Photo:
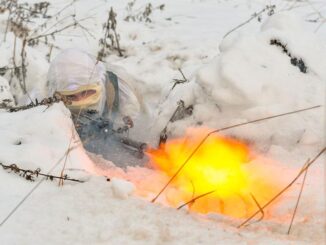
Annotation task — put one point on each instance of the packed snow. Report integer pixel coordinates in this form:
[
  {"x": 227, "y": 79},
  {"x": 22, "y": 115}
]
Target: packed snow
[{"x": 230, "y": 80}]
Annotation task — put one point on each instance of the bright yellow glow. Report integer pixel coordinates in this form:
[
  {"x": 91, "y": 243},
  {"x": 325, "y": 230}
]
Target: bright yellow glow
[{"x": 220, "y": 164}]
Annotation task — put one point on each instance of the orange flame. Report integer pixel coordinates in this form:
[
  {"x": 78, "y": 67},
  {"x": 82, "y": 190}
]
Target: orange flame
[{"x": 222, "y": 165}]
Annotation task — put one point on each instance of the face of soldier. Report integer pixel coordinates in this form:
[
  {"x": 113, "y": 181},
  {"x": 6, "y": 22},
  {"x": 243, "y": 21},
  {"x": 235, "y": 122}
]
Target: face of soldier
[{"x": 82, "y": 97}]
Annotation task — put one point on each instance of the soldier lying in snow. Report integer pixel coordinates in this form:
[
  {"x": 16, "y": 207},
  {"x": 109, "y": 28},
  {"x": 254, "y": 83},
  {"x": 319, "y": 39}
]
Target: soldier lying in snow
[
  {"x": 90, "y": 86},
  {"x": 99, "y": 98}
]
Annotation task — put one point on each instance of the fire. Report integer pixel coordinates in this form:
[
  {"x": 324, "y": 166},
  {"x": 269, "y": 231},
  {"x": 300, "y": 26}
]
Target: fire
[{"x": 221, "y": 165}]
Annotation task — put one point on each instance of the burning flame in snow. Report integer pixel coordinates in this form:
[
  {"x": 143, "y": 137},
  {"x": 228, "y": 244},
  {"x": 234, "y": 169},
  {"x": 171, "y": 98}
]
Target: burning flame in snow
[{"x": 222, "y": 165}]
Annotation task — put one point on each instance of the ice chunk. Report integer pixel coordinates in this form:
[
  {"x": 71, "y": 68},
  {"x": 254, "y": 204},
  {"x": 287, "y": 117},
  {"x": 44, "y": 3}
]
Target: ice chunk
[{"x": 122, "y": 188}]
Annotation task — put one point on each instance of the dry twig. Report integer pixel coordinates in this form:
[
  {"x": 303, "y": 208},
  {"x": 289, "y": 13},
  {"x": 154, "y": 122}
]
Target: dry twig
[
  {"x": 299, "y": 197},
  {"x": 196, "y": 198},
  {"x": 30, "y": 175},
  {"x": 259, "y": 207},
  {"x": 305, "y": 167},
  {"x": 270, "y": 8}
]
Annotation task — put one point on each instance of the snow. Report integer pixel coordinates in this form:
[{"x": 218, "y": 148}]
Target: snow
[
  {"x": 231, "y": 80},
  {"x": 5, "y": 94},
  {"x": 121, "y": 188}
]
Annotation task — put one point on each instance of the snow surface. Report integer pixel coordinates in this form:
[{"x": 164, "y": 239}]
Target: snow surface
[{"x": 231, "y": 80}]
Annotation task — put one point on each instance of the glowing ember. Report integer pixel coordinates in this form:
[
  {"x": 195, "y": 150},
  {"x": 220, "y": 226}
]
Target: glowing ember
[{"x": 221, "y": 165}]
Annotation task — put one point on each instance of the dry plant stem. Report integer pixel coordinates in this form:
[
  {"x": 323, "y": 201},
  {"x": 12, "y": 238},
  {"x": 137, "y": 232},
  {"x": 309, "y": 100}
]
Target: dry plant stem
[
  {"x": 222, "y": 129},
  {"x": 118, "y": 43},
  {"x": 305, "y": 167},
  {"x": 54, "y": 16},
  {"x": 54, "y": 25},
  {"x": 246, "y": 22},
  {"x": 15, "y": 168},
  {"x": 196, "y": 198},
  {"x": 7, "y": 24},
  {"x": 46, "y": 33},
  {"x": 298, "y": 200},
  {"x": 178, "y": 81},
  {"x": 65, "y": 161},
  {"x": 260, "y": 208},
  {"x": 53, "y": 32}
]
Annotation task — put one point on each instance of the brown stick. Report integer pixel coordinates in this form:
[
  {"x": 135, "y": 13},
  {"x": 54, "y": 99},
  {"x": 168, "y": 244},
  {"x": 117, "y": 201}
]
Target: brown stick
[
  {"x": 298, "y": 200},
  {"x": 305, "y": 167},
  {"x": 196, "y": 198},
  {"x": 260, "y": 208},
  {"x": 30, "y": 174},
  {"x": 246, "y": 22},
  {"x": 222, "y": 129}
]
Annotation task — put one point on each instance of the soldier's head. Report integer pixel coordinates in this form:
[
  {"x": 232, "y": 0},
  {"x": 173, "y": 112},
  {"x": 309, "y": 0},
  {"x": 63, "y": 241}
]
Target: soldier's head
[{"x": 77, "y": 77}]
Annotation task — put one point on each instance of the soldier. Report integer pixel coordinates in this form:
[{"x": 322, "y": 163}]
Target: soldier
[{"x": 103, "y": 101}]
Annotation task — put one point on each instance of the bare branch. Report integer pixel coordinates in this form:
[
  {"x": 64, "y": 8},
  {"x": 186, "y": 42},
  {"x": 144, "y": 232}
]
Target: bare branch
[
  {"x": 305, "y": 167},
  {"x": 299, "y": 197},
  {"x": 196, "y": 198},
  {"x": 270, "y": 8}
]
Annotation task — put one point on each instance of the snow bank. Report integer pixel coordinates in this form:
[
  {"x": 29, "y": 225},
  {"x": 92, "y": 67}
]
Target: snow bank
[
  {"x": 38, "y": 132},
  {"x": 252, "y": 78}
]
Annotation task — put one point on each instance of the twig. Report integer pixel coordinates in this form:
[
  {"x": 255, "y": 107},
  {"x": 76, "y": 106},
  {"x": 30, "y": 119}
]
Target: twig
[
  {"x": 53, "y": 32},
  {"x": 47, "y": 101},
  {"x": 65, "y": 161},
  {"x": 298, "y": 200},
  {"x": 30, "y": 175},
  {"x": 179, "y": 81},
  {"x": 54, "y": 16},
  {"x": 8, "y": 20},
  {"x": 305, "y": 167},
  {"x": 196, "y": 198},
  {"x": 222, "y": 129},
  {"x": 259, "y": 207},
  {"x": 271, "y": 8}
]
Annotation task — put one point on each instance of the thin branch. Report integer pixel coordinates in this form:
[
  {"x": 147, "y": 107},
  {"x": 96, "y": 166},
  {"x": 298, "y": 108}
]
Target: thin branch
[
  {"x": 66, "y": 156},
  {"x": 74, "y": 24},
  {"x": 305, "y": 167},
  {"x": 250, "y": 19},
  {"x": 298, "y": 200},
  {"x": 54, "y": 16},
  {"x": 196, "y": 198},
  {"x": 178, "y": 81},
  {"x": 259, "y": 207},
  {"x": 8, "y": 20},
  {"x": 47, "y": 101},
  {"x": 53, "y": 32},
  {"x": 30, "y": 174},
  {"x": 222, "y": 129}
]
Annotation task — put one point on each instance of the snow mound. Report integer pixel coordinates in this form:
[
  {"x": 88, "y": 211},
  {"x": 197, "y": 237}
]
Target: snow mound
[
  {"x": 38, "y": 132},
  {"x": 278, "y": 69}
]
